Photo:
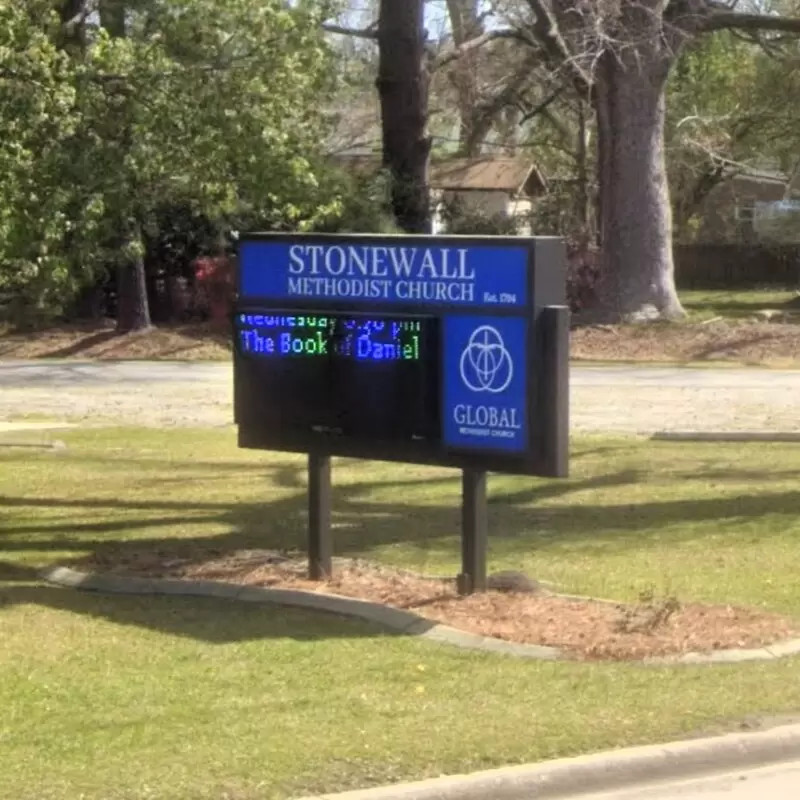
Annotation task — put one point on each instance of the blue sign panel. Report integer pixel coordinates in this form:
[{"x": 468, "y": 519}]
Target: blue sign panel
[
  {"x": 398, "y": 271},
  {"x": 485, "y": 383},
  {"x": 418, "y": 349}
]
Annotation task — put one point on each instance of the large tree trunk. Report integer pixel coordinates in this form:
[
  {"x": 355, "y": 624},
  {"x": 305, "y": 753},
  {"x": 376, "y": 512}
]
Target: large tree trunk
[
  {"x": 637, "y": 276},
  {"x": 402, "y": 83},
  {"x": 133, "y": 307},
  {"x": 72, "y": 31}
]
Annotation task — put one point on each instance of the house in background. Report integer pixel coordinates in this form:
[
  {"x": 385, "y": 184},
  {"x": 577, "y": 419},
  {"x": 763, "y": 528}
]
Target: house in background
[
  {"x": 489, "y": 186},
  {"x": 745, "y": 233},
  {"x": 749, "y": 206}
]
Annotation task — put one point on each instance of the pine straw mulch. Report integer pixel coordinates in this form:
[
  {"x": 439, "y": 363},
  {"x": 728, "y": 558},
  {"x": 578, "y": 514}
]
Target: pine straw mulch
[
  {"x": 99, "y": 340},
  {"x": 585, "y": 629},
  {"x": 774, "y": 343},
  {"x": 768, "y": 343}
]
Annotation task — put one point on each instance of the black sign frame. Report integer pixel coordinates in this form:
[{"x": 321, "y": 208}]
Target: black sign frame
[{"x": 547, "y": 354}]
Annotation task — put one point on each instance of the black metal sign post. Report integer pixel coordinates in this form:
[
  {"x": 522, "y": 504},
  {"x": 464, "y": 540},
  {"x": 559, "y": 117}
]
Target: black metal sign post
[
  {"x": 441, "y": 350},
  {"x": 474, "y": 532},
  {"x": 320, "y": 539},
  {"x": 554, "y": 322}
]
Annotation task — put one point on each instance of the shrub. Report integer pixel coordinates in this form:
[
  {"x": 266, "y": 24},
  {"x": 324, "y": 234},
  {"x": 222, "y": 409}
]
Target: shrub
[
  {"x": 215, "y": 280},
  {"x": 364, "y": 205},
  {"x": 459, "y": 219}
]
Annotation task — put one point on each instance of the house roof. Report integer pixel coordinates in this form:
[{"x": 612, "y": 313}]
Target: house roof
[
  {"x": 482, "y": 173},
  {"x": 761, "y": 176},
  {"x": 487, "y": 173},
  {"x": 759, "y": 173}
]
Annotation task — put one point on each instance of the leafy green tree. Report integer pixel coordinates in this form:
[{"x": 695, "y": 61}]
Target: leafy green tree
[
  {"x": 731, "y": 105},
  {"x": 37, "y": 118},
  {"x": 211, "y": 104}
]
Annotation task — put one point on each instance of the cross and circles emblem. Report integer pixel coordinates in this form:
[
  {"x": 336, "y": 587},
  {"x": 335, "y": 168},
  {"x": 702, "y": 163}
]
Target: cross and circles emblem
[{"x": 486, "y": 365}]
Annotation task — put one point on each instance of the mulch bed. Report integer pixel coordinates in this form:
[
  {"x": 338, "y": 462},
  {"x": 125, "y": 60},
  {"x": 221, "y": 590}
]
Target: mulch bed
[
  {"x": 772, "y": 343},
  {"x": 748, "y": 342},
  {"x": 191, "y": 342},
  {"x": 588, "y": 630}
]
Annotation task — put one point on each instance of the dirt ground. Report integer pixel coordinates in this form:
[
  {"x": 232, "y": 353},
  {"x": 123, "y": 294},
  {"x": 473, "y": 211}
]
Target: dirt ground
[
  {"x": 751, "y": 343},
  {"x": 588, "y": 630},
  {"x": 100, "y": 341},
  {"x": 741, "y": 342}
]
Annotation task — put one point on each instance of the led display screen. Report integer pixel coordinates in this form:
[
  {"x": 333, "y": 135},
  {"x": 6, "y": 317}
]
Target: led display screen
[{"x": 365, "y": 376}]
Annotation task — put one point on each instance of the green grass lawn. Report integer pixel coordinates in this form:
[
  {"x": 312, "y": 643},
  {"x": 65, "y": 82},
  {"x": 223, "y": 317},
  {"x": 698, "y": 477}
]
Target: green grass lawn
[
  {"x": 124, "y": 698},
  {"x": 707, "y": 304}
]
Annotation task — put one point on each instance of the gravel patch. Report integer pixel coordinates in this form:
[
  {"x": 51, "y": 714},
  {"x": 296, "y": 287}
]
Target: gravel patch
[
  {"x": 594, "y": 409},
  {"x": 160, "y": 405},
  {"x": 648, "y": 410}
]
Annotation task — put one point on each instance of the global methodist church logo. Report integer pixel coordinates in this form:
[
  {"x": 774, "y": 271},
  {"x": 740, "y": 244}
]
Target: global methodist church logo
[{"x": 486, "y": 365}]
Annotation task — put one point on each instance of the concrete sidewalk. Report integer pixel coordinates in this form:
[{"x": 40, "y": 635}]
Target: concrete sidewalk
[
  {"x": 13, "y": 427},
  {"x": 631, "y": 773},
  {"x": 781, "y": 782},
  {"x": 33, "y": 435}
]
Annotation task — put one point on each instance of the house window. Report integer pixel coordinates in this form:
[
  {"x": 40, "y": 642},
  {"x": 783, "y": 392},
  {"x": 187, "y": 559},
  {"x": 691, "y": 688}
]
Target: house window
[{"x": 745, "y": 212}]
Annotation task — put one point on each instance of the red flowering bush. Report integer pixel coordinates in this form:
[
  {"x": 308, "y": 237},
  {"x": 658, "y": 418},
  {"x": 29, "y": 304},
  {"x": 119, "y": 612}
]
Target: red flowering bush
[{"x": 215, "y": 280}]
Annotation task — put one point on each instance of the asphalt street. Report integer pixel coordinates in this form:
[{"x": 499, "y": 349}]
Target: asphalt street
[{"x": 34, "y": 374}]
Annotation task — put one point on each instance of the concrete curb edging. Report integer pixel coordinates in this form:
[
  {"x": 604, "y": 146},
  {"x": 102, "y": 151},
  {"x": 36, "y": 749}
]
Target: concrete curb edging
[
  {"x": 394, "y": 619},
  {"x": 44, "y": 427},
  {"x": 601, "y": 772},
  {"x": 726, "y": 436}
]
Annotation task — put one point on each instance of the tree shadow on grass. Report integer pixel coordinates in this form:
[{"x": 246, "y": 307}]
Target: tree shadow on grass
[
  {"x": 216, "y": 621},
  {"x": 10, "y": 571},
  {"x": 362, "y": 524},
  {"x": 520, "y": 520},
  {"x": 83, "y": 344},
  {"x": 743, "y": 475},
  {"x": 735, "y": 345}
]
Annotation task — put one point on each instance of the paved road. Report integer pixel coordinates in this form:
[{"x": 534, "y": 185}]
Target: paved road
[
  {"x": 781, "y": 782},
  {"x": 604, "y": 399},
  {"x": 90, "y": 374},
  {"x": 30, "y": 374}
]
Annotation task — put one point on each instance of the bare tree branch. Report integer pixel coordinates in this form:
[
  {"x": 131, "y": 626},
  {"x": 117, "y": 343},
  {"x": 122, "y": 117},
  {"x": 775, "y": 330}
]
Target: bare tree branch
[
  {"x": 370, "y": 32},
  {"x": 486, "y": 114},
  {"x": 457, "y": 52},
  {"x": 545, "y": 28},
  {"x": 445, "y": 58},
  {"x": 541, "y": 108},
  {"x": 726, "y": 20}
]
